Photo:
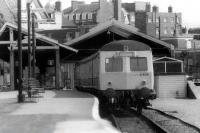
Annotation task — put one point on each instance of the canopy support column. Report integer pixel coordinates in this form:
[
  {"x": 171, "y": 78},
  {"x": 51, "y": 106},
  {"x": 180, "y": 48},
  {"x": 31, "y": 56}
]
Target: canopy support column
[
  {"x": 12, "y": 79},
  {"x": 57, "y": 68}
]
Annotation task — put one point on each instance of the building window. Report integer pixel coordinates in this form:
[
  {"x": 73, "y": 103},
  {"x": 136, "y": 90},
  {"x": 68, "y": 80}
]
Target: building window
[
  {"x": 157, "y": 31},
  {"x": 138, "y": 64},
  {"x": 165, "y": 20},
  {"x": 132, "y": 18},
  {"x": 90, "y": 16},
  {"x": 157, "y": 20},
  {"x": 149, "y": 20},
  {"x": 114, "y": 64},
  {"x": 165, "y": 31},
  {"x": 177, "y": 20},
  {"x": 83, "y": 16},
  {"x": 94, "y": 16},
  {"x": 172, "y": 31},
  {"x": 69, "y": 36},
  {"x": 172, "y": 19},
  {"x": 71, "y": 16},
  {"x": 77, "y": 16},
  {"x": 1, "y": 16}
]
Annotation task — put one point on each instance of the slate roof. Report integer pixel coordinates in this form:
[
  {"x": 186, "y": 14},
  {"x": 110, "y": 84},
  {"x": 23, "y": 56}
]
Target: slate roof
[
  {"x": 129, "y": 7},
  {"x": 67, "y": 10},
  {"x": 86, "y": 8},
  {"x": 38, "y": 37}
]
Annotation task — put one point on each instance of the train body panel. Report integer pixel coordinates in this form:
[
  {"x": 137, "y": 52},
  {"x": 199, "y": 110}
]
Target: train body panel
[{"x": 87, "y": 72}]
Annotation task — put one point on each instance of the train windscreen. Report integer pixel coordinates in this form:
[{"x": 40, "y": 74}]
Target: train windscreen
[
  {"x": 114, "y": 64},
  {"x": 138, "y": 63}
]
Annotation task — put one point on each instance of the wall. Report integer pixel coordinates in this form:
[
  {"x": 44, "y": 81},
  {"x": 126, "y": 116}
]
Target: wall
[
  {"x": 105, "y": 12},
  {"x": 140, "y": 21},
  {"x": 170, "y": 86}
]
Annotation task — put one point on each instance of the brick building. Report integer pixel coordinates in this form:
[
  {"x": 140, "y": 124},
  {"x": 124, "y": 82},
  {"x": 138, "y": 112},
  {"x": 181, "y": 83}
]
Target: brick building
[
  {"x": 154, "y": 23},
  {"x": 159, "y": 24},
  {"x": 85, "y": 16}
]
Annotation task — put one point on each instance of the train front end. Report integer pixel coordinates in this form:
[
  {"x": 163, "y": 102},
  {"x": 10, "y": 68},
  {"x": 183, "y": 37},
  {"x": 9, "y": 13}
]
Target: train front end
[{"x": 128, "y": 71}]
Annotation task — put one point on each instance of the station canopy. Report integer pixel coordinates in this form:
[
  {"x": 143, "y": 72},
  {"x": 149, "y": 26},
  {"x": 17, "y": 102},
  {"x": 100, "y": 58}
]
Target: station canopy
[
  {"x": 113, "y": 30},
  {"x": 45, "y": 46}
]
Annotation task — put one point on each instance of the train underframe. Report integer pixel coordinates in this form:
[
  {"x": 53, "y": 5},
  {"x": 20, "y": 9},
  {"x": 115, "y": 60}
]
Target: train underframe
[{"x": 138, "y": 98}]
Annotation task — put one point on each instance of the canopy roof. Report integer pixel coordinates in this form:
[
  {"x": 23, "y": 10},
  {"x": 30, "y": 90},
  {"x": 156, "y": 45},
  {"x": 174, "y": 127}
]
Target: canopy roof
[
  {"x": 113, "y": 30},
  {"x": 46, "y": 43}
]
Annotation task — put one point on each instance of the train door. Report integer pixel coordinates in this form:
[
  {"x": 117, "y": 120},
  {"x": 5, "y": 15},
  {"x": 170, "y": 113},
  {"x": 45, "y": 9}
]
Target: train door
[{"x": 67, "y": 71}]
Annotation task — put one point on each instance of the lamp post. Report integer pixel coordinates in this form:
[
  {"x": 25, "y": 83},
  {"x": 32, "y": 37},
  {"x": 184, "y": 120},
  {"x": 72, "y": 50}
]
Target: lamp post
[{"x": 20, "y": 95}]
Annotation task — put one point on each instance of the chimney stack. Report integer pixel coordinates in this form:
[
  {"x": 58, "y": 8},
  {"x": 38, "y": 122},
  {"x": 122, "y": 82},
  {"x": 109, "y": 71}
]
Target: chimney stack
[
  {"x": 117, "y": 9},
  {"x": 155, "y": 9},
  {"x": 148, "y": 7},
  {"x": 58, "y": 6},
  {"x": 170, "y": 9}
]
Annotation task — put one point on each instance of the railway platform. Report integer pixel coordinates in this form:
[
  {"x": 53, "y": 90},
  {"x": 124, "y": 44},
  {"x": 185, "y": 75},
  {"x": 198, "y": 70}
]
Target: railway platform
[
  {"x": 55, "y": 112},
  {"x": 185, "y": 109}
]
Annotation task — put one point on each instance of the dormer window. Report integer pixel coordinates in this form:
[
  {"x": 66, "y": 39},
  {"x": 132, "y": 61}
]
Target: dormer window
[
  {"x": 83, "y": 16},
  {"x": 77, "y": 16},
  {"x": 89, "y": 15},
  {"x": 71, "y": 16}
]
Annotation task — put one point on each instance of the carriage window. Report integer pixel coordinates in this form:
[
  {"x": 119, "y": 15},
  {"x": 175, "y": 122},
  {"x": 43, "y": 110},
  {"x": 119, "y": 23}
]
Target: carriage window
[
  {"x": 114, "y": 64},
  {"x": 138, "y": 64}
]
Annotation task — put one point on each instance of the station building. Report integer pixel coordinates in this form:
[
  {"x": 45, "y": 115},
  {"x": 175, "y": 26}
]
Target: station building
[{"x": 48, "y": 55}]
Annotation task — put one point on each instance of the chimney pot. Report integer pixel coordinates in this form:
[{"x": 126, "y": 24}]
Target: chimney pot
[
  {"x": 155, "y": 9},
  {"x": 170, "y": 9}
]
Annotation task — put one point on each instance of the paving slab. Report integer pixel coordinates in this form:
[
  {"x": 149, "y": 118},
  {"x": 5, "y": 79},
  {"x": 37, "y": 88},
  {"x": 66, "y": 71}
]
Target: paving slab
[
  {"x": 186, "y": 109},
  {"x": 56, "y": 112}
]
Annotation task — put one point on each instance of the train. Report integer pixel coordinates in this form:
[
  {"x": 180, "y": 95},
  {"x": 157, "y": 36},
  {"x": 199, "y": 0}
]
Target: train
[{"x": 122, "y": 71}]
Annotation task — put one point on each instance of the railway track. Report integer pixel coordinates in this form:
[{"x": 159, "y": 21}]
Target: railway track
[
  {"x": 128, "y": 121},
  {"x": 150, "y": 121}
]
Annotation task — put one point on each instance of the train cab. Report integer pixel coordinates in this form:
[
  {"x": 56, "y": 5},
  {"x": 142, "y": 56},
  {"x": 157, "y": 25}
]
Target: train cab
[{"x": 126, "y": 65}]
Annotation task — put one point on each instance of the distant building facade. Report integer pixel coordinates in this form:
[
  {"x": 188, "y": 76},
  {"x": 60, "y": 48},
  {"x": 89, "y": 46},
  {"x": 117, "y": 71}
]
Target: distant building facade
[
  {"x": 86, "y": 16},
  {"x": 154, "y": 23},
  {"x": 48, "y": 17}
]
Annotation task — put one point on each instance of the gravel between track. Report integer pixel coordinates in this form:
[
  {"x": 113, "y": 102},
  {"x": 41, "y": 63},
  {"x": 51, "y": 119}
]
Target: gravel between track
[{"x": 132, "y": 123}]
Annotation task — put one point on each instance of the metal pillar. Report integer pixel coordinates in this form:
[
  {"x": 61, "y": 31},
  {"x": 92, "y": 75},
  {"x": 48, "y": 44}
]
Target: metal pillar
[
  {"x": 33, "y": 45},
  {"x": 29, "y": 41},
  {"x": 57, "y": 65},
  {"x": 12, "y": 79},
  {"x": 20, "y": 95}
]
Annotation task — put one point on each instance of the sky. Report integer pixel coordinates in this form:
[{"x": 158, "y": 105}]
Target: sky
[{"x": 188, "y": 8}]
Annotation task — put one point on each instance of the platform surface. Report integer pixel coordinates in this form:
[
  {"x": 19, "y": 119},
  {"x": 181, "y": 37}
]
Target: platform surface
[
  {"x": 56, "y": 112},
  {"x": 186, "y": 109}
]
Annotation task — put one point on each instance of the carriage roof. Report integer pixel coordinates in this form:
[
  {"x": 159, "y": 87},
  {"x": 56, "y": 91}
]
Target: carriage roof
[{"x": 123, "y": 45}]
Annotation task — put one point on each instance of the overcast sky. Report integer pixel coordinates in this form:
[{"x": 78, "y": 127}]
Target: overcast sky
[{"x": 190, "y": 9}]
